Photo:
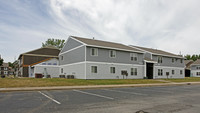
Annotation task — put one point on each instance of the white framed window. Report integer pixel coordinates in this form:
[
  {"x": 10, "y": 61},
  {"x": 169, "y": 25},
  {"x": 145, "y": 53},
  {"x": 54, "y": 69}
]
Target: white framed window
[
  {"x": 112, "y": 70},
  {"x": 62, "y": 58},
  {"x": 181, "y": 72},
  {"x": 181, "y": 61},
  {"x": 133, "y": 56},
  {"x": 134, "y": 71},
  {"x": 198, "y": 67},
  {"x": 172, "y": 60},
  {"x": 94, "y": 51},
  {"x": 44, "y": 63},
  {"x": 198, "y": 73},
  {"x": 159, "y": 59},
  {"x": 160, "y": 72},
  {"x": 5, "y": 68},
  {"x": 173, "y": 72},
  {"x": 93, "y": 69},
  {"x": 112, "y": 53},
  {"x": 49, "y": 63},
  {"x": 61, "y": 70},
  {"x": 5, "y": 72}
]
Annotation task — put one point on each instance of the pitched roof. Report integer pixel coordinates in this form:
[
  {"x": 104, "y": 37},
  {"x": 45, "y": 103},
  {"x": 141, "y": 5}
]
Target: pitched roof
[
  {"x": 188, "y": 63},
  {"x": 158, "y": 52},
  {"x": 49, "y": 51},
  {"x": 105, "y": 44},
  {"x": 197, "y": 62}
]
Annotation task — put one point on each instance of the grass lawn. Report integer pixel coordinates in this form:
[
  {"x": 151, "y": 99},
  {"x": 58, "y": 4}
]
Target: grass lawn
[
  {"x": 187, "y": 79},
  {"x": 33, "y": 82}
]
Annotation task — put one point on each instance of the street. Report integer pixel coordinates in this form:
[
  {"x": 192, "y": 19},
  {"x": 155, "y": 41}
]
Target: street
[{"x": 158, "y": 99}]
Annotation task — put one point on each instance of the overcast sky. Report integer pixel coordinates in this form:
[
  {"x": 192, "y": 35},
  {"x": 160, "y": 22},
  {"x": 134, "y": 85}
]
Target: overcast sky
[{"x": 170, "y": 25}]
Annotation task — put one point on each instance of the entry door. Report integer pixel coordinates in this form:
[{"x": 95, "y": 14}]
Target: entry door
[{"x": 149, "y": 70}]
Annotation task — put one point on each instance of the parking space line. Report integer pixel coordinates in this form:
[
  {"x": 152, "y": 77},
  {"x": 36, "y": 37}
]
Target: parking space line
[
  {"x": 93, "y": 94},
  {"x": 125, "y": 92},
  {"x": 49, "y": 97}
]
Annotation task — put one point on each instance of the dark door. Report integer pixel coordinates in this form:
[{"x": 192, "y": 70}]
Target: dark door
[{"x": 149, "y": 70}]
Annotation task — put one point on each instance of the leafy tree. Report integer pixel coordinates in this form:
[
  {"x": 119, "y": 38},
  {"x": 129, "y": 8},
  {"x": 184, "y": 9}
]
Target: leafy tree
[
  {"x": 58, "y": 43},
  {"x": 1, "y": 62},
  {"x": 193, "y": 57}
]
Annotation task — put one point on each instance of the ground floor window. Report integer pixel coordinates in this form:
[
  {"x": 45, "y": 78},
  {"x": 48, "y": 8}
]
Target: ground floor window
[
  {"x": 112, "y": 69},
  {"x": 160, "y": 72},
  {"x": 181, "y": 72},
  {"x": 133, "y": 71},
  {"x": 172, "y": 72},
  {"x": 94, "y": 69},
  {"x": 198, "y": 73}
]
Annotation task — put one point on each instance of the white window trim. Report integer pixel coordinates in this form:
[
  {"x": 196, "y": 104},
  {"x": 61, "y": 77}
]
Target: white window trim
[
  {"x": 114, "y": 68},
  {"x": 91, "y": 69},
  {"x": 136, "y": 71},
  {"x": 160, "y": 72},
  {"x": 173, "y": 73},
  {"x": 134, "y": 55},
  {"x": 94, "y": 51},
  {"x": 114, "y": 51},
  {"x": 160, "y": 60}
]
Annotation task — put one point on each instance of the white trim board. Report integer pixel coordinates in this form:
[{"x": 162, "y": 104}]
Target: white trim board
[
  {"x": 113, "y": 63},
  {"x": 72, "y": 37},
  {"x": 71, "y": 49},
  {"x": 169, "y": 67}
]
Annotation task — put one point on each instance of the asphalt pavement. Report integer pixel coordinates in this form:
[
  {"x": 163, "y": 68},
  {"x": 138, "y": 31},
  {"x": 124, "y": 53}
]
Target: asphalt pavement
[{"x": 155, "y": 99}]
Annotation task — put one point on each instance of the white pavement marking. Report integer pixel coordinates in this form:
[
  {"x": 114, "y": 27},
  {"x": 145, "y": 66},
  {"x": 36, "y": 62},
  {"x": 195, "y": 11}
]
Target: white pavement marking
[
  {"x": 125, "y": 92},
  {"x": 49, "y": 97},
  {"x": 94, "y": 94},
  {"x": 154, "y": 90}
]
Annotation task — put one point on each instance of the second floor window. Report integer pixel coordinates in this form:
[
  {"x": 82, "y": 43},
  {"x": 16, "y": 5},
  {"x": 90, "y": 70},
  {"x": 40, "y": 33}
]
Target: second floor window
[
  {"x": 159, "y": 59},
  {"x": 112, "y": 53},
  {"x": 160, "y": 72},
  {"x": 5, "y": 68},
  {"x": 198, "y": 67},
  {"x": 181, "y": 61},
  {"x": 133, "y": 56},
  {"x": 94, "y": 52},
  {"x": 172, "y": 60}
]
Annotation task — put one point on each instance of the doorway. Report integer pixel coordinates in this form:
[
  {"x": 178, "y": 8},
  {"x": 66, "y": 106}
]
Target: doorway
[{"x": 149, "y": 70}]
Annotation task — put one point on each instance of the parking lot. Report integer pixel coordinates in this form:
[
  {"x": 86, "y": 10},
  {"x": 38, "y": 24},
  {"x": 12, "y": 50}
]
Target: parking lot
[{"x": 160, "y": 99}]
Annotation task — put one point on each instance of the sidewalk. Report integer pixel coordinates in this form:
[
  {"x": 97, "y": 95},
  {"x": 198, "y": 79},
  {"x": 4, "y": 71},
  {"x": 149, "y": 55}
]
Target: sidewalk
[{"x": 92, "y": 86}]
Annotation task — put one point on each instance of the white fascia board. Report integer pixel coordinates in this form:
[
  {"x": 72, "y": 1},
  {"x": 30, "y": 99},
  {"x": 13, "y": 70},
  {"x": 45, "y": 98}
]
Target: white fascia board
[
  {"x": 45, "y": 66},
  {"x": 151, "y": 61},
  {"x": 113, "y": 63},
  {"x": 169, "y": 67},
  {"x": 77, "y": 40},
  {"x": 114, "y": 48},
  {"x": 71, "y": 49},
  {"x": 167, "y": 56},
  {"x": 140, "y": 49},
  {"x": 73, "y": 64},
  {"x": 64, "y": 46}
]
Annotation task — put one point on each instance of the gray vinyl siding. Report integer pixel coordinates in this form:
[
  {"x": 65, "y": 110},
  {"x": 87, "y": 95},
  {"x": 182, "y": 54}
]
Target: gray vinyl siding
[
  {"x": 169, "y": 69},
  {"x": 70, "y": 44},
  {"x": 121, "y": 57},
  {"x": 103, "y": 71},
  {"x": 147, "y": 55},
  {"x": 74, "y": 56},
  {"x": 167, "y": 61},
  {"x": 194, "y": 67}
]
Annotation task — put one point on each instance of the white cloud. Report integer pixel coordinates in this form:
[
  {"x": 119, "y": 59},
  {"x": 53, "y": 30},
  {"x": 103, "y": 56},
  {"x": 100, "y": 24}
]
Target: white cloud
[{"x": 164, "y": 24}]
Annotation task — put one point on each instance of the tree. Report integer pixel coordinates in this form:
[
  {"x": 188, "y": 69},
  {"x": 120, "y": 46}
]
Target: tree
[
  {"x": 58, "y": 43},
  {"x": 193, "y": 57},
  {"x": 1, "y": 62}
]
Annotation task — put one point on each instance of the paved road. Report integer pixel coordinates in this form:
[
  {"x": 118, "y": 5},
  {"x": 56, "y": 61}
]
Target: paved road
[{"x": 162, "y": 99}]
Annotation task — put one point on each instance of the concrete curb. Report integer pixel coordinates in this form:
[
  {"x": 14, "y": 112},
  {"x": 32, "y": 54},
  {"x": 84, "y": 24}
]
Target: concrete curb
[{"x": 92, "y": 86}]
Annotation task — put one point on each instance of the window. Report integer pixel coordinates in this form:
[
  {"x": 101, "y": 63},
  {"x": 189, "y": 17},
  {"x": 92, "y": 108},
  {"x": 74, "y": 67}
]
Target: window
[
  {"x": 62, "y": 58},
  {"x": 181, "y": 72},
  {"x": 5, "y": 72},
  {"x": 94, "y": 52},
  {"x": 198, "y": 73},
  {"x": 159, "y": 59},
  {"x": 43, "y": 63},
  {"x": 133, "y": 71},
  {"x": 172, "y": 60},
  {"x": 112, "y": 53},
  {"x": 181, "y": 61},
  {"x": 54, "y": 63},
  {"x": 5, "y": 68},
  {"x": 61, "y": 70},
  {"x": 49, "y": 63},
  {"x": 94, "y": 69},
  {"x": 133, "y": 56},
  {"x": 198, "y": 67},
  {"x": 172, "y": 72},
  {"x": 112, "y": 69},
  {"x": 160, "y": 72}
]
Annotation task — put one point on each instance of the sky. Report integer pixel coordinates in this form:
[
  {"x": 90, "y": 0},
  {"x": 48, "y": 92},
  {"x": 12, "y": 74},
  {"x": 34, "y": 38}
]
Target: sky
[{"x": 170, "y": 25}]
